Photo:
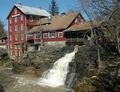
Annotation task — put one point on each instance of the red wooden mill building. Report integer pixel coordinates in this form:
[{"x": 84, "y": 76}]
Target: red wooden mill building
[
  {"x": 20, "y": 20},
  {"x": 34, "y": 26}
]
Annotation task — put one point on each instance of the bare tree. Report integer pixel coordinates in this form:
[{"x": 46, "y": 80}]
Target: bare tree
[{"x": 106, "y": 10}]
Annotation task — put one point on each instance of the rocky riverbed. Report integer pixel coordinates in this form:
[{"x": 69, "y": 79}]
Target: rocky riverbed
[{"x": 23, "y": 83}]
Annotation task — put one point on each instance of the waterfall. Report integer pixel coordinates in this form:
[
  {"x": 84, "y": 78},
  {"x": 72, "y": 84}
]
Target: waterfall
[{"x": 57, "y": 75}]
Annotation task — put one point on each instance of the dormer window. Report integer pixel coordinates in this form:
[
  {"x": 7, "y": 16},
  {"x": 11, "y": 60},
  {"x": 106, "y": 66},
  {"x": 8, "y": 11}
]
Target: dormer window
[{"x": 31, "y": 18}]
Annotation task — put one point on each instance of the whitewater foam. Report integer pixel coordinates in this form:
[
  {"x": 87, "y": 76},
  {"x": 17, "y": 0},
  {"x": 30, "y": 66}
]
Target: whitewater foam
[{"x": 57, "y": 75}]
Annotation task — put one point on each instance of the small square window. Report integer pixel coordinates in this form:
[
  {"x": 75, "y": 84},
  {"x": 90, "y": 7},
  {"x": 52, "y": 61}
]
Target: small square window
[
  {"x": 38, "y": 35},
  {"x": 45, "y": 35},
  {"x": 60, "y": 34},
  {"x": 52, "y": 34}
]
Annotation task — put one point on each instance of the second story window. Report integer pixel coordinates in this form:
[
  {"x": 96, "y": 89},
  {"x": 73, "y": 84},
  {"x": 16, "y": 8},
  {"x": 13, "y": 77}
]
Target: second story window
[
  {"x": 16, "y": 28},
  {"x": 21, "y": 17},
  {"x": 21, "y": 27},
  {"x": 15, "y": 19},
  {"x": 16, "y": 37}
]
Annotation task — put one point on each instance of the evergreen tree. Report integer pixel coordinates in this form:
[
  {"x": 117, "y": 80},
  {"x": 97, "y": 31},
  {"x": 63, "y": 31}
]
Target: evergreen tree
[{"x": 53, "y": 8}]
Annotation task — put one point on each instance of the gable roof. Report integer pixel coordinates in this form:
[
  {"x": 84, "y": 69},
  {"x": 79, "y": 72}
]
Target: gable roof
[
  {"x": 84, "y": 26},
  {"x": 27, "y": 10},
  {"x": 58, "y": 22}
]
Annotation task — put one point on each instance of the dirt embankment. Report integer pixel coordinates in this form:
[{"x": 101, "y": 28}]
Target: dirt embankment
[{"x": 38, "y": 61}]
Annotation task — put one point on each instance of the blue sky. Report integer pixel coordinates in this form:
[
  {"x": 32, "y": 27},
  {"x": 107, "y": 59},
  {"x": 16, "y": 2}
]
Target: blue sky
[{"x": 6, "y": 6}]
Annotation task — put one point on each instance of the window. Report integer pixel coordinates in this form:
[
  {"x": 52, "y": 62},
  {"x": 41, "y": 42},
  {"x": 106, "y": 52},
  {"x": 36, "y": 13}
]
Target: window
[
  {"x": 15, "y": 11},
  {"x": 45, "y": 35},
  {"x": 16, "y": 37},
  {"x": 38, "y": 35},
  {"x": 16, "y": 27},
  {"x": 21, "y": 26},
  {"x": 60, "y": 34},
  {"x": 31, "y": 18},
  {"x": 15, "y": 19},
  {"x": 15, "y": 46},
  {"x": 21, "y": 17},
  {"x": 10, "y": 28},
  {"x": 52, "y": 34},
  {"x": 10, "y": 37}
]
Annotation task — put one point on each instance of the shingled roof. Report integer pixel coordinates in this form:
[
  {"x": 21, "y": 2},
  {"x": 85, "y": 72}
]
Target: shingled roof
[
  {"x": 58, "y": 22},
  {"x": 80, "y": 26}
]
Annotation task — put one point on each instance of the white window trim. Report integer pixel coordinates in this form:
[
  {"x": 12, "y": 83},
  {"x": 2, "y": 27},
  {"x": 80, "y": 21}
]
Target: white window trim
[
  {"x": 59, "y": 34},
  {"x": 21, "y": 27},
  {"x": 44, "y": 35},
  {"x": 21, "y": 17},
  {"x": 50, "y": 36},
  {"x": 15, "y": 11},
  {"x": 15, "y": 19},
  {"x": 16, "y": 37},
  {"x": 16, "y": 27}
]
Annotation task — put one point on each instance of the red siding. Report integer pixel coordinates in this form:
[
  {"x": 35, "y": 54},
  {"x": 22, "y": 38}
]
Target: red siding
[
  {"x": 20, "y": 33},
  {"x": 47, "y": 39}
]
